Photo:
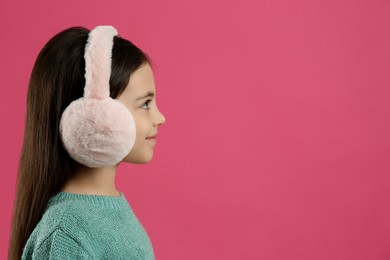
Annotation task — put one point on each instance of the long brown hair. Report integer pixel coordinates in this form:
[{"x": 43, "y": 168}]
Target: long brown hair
[{"x": 56, "y": 80}]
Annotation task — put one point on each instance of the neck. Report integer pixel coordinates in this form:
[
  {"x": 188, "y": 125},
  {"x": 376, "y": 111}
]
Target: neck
[{"x": 92, "y": 181}]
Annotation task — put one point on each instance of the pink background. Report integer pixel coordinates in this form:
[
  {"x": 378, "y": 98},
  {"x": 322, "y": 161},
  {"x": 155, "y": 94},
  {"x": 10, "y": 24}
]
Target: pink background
[{"x": 276, "y": 144}]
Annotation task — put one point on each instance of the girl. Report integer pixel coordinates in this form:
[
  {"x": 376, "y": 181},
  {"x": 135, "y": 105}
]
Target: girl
[{"x": 66, "y": 204}]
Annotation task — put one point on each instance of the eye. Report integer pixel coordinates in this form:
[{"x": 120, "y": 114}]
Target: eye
[{"x": 146, "y": 103}]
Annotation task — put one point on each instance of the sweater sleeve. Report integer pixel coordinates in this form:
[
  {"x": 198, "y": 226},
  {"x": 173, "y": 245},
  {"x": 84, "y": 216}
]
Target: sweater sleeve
[{"x": 59, "y": 245}]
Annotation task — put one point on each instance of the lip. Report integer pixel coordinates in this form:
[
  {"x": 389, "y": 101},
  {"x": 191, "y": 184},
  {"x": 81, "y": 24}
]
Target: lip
[{"x": 151, "y": 140}]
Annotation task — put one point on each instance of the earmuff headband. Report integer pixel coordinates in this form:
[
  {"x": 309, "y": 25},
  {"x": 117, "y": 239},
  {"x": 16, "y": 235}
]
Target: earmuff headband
[
  {"x": 97, "y": 130},
  {"x": 98, "y": 54}
]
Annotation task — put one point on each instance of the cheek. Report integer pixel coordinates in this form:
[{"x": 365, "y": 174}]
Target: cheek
[
  {"x": 137, "y": 124},
  {"x": 141, "y": 126}
]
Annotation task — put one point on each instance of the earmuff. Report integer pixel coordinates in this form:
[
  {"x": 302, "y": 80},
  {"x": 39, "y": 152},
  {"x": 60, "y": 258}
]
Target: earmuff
[{"x": 96, "y": 130}]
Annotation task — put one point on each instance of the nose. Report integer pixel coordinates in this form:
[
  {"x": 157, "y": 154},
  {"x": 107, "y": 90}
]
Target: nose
[{"x": 160, "y": 118}]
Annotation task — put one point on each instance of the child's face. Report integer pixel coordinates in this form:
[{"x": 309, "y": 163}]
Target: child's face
[{"x": 146, "y": 115}]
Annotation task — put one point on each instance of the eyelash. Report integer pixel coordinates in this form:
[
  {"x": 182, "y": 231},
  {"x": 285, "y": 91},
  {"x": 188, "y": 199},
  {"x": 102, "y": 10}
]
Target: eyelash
[{"x": 147, "y": 102}]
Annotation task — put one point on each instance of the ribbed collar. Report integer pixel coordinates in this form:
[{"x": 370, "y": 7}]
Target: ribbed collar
[{"x": 103, "y": 201}]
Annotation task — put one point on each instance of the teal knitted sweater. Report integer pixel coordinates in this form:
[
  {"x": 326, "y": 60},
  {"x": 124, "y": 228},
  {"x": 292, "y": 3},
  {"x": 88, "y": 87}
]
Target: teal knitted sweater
[{"x": 78, "y": 226}]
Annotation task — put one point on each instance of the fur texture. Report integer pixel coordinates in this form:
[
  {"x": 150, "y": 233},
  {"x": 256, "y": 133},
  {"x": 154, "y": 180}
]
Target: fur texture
[
  {"x": 97, "y": 130},
  {"x": 98, "y": 53}
]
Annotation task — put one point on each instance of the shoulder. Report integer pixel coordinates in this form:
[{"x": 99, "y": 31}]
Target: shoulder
[
  {"x": 75, "y": 223},
  {"x": 62, "y": 228},
  {"x": 59, "y": 244},
  {"x": 73, "y": 218},
  {"x": 61, "y": 217}
]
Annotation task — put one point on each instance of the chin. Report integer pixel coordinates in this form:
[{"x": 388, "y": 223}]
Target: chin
[{"x": 138, "y": 160}]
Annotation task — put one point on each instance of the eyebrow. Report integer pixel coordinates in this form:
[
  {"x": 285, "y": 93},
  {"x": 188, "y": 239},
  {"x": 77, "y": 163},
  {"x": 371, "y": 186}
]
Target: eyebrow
[{"x": 149, "y": 94}]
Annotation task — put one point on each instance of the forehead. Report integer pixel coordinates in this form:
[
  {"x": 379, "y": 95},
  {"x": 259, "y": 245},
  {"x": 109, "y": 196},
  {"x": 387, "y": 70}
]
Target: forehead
[{"x": 141, "y": 81}]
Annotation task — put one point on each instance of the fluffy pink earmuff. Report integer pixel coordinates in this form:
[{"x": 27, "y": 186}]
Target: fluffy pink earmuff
[{"x": 96, "y": 130}]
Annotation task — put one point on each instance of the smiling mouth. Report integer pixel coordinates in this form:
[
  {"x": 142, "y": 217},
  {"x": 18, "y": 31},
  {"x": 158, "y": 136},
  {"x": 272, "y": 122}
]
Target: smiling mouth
[{"x": 151, "y": 140}]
